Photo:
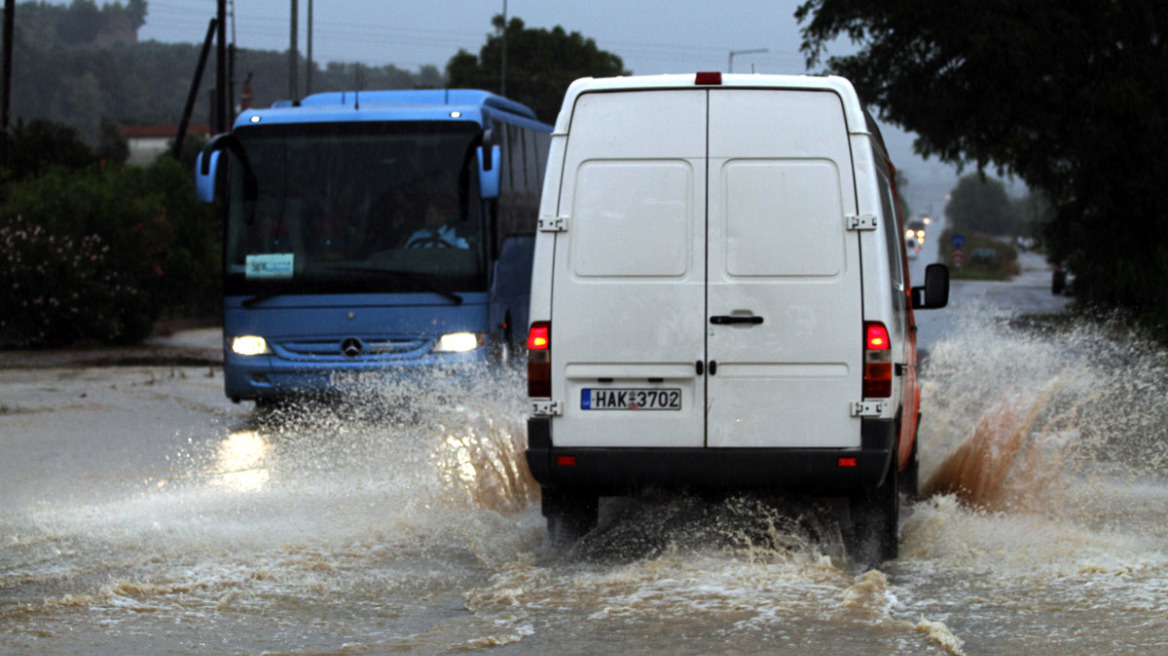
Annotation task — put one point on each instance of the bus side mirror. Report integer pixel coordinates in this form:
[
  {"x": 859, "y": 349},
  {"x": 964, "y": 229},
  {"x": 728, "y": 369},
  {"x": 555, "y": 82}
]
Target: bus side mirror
[
  {"x": 935, "y": 292},
  {"x": 489, "y": 166},
  {"x": 206, "y": 167},
  {"x": 208, "y": 162}
]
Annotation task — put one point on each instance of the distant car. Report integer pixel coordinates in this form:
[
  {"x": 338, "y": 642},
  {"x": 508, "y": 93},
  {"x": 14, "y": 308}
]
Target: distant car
[
  {"x": 911, "y": 247},
  {"x": 1061, "y": 280}
]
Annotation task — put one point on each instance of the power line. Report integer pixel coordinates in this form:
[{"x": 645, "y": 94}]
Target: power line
[{"x": 333, "y": 39}]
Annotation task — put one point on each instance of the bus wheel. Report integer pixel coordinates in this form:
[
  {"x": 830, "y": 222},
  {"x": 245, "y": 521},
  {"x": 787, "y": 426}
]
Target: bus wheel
[
  {"x": 875, "y": 519},
  {"x": 570, "y": 515}
]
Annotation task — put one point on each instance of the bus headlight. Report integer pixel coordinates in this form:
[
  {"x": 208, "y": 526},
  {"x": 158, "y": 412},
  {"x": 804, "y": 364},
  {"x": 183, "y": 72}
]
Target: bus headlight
[
  {"x": 249, "y": 345},
  {"x": 459, "y": 342}
]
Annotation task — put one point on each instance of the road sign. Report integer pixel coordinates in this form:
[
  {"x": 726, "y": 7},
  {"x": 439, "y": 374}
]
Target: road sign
[{"x": 958, "y": 240}]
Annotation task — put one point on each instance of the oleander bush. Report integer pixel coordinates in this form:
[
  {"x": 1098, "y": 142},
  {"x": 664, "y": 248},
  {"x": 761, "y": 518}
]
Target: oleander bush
[{"x": 98, "y": 253}]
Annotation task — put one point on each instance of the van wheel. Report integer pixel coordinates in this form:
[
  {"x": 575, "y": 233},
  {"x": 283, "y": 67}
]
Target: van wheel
[
  {"x": 875, "y": 518},
  {"x": 570, "y": 515}
]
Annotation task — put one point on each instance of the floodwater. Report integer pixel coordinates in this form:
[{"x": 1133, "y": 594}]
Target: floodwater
[{"x": 402, "y": 521}]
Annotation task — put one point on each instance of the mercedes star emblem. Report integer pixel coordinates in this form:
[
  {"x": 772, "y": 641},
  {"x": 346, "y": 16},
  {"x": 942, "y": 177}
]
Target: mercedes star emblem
[{"x": 351, "y": 347}]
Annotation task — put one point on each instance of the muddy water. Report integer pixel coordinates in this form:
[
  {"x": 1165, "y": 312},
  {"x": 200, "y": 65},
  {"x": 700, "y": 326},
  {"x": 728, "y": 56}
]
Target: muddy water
[{"x": 383, "y": 526}]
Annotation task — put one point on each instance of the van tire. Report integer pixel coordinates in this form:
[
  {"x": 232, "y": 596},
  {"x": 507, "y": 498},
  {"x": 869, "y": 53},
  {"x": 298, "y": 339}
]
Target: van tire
[
  {"x": 875, "y": 518},
  {"x": 570, "y": 515}
]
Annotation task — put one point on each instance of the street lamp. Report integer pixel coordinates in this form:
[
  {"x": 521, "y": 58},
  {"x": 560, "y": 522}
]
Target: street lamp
[{"x": 730, "y": 65}]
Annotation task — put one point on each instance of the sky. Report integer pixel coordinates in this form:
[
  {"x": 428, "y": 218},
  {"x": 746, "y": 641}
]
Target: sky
[{"x": 670, "y": 36}]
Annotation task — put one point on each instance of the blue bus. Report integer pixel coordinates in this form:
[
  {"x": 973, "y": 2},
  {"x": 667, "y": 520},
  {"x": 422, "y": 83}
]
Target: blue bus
[{"x": 372, "y": 234}]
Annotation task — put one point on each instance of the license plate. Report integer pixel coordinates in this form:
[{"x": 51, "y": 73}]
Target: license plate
[{"x": 630, "y": 399}]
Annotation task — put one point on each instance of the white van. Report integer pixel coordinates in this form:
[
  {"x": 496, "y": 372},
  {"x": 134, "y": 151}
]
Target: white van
[{"x": 720, "y": 299}]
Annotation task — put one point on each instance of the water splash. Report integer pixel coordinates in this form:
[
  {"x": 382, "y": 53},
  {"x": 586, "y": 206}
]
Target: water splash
[{"x": 1022, "y": 419}]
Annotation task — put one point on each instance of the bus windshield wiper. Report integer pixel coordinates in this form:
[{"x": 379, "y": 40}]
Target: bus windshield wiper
[
  {"x": 260, "y": 298},
  {"x": 418, "y": 280},
  {"x": 285, "y": 290}
]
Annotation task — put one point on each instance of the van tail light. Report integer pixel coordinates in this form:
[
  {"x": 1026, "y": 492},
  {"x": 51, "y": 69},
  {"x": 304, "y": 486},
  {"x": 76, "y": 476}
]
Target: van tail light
[
  {"x": 539, "y": 360},
  {"x": 713, "y": 78},
  {"x": 877, "y": 361}
]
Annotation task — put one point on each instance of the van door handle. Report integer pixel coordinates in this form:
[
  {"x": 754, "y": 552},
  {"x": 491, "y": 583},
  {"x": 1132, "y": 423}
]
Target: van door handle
[{"x": 728, "y": 319}]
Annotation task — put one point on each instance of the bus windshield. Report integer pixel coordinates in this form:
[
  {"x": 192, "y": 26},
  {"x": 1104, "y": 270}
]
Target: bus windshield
[{"x": 355, "y": 207}]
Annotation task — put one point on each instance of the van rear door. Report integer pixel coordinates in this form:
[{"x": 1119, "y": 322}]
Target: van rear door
[
  {"x": 705, "y": 251},
  {"x": 628, "y": 305},
  {"x": 780, "y": 254}
]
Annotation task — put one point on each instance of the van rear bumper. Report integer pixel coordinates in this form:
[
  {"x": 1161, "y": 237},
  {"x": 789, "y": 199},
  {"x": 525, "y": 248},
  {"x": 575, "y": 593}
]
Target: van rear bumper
[{"x": 619, "y": 471}]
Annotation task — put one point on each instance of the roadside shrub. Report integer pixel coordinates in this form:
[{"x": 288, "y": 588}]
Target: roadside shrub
[
  {"x": 40, "y": 145},
  {"x": 101, "y": 253},
  {"x": 56, "y": 289}
]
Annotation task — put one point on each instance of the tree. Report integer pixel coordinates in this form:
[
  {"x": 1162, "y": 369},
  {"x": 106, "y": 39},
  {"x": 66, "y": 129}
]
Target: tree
[
  {"x": 39, "y": 145},
  {"x": 147, "y": 83},
  {"x": 540, "y": 65},
  {"x": 980, "y": 204},
  {"x": 80, "y": 23},
  {"x": 901, "y": 183},
  {"x": 1033, "y": 212},
  {"x": 1068, "y": 96},
  {"x": 112, "y": 147}
]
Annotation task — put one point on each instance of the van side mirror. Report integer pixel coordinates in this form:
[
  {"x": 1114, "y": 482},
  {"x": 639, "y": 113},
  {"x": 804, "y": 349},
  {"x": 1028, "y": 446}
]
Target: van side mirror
[
  {"x": 489, "y": 168},
  {"x": 934, "y": 294}
]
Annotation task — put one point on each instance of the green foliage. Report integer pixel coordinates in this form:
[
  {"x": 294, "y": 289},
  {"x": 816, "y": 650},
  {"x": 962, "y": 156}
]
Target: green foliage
[
  {"x": 982, "y": 257},
  {"x": 1068, "y": 96},
  {"x": 148, "y": 83},
  {"x": 112, "y": 147},
  {"x": 189, "y": 153},
  {"x": 101, "y": 252},
  {"x": 901, "y": 183},
  {"x": 79, "y": 23},
  {"x": 57, "y": 289},
  {"x": 1033, "y": 212},
  {"x": 980, "y": 204},
  {"x": 540, "y": 65},
  {"x": 39, "y": 145}
]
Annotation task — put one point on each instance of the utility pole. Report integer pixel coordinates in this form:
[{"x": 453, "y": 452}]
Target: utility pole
[
  {"x": 293, "y": 55},
  {"x": 308, "y": 71},
  {"x": 231, "y": 69},
  {"x": 221, "y": 83},
  {"x": 9, "y": 22},
  {"x": 194, "y": 92}
]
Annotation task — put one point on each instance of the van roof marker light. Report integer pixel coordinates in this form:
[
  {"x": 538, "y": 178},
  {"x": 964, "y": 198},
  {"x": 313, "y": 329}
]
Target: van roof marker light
[{"x": 708, "y": 78}]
